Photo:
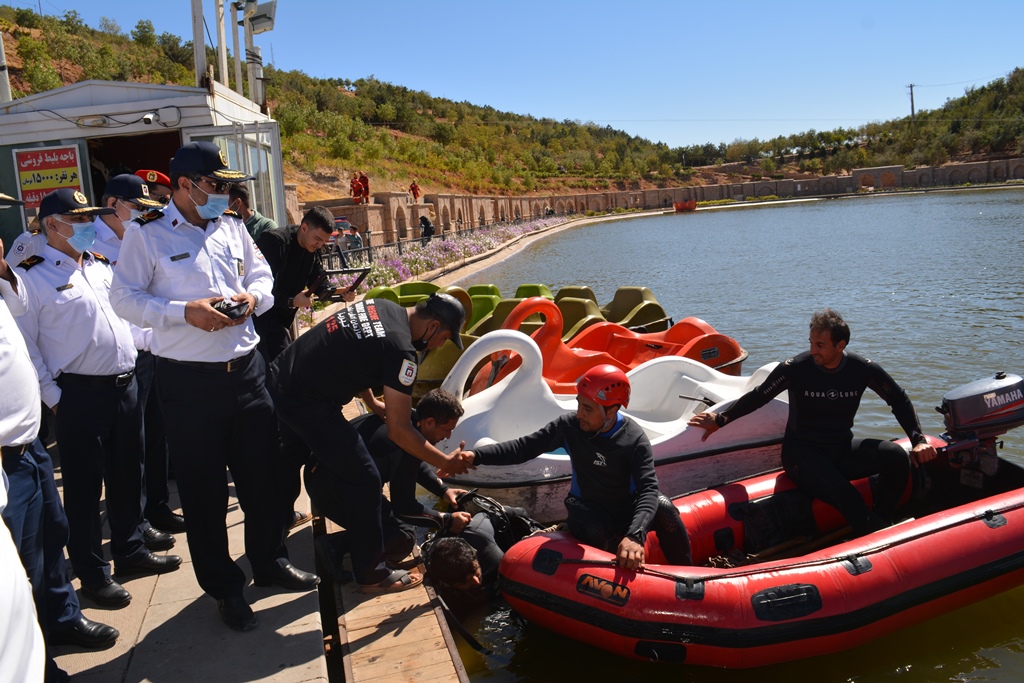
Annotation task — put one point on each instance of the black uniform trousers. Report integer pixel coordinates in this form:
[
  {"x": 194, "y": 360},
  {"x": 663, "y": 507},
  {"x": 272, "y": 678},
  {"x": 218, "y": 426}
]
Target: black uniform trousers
[
  {"x": 275, "y": 338},
  {"x": 35, "y": 517},
  {"x": 99, "y": 433},
  {"x": 156, "y": 494},
  {"x": 216, "y": 421},
  {"x": 336, "y": 445}
]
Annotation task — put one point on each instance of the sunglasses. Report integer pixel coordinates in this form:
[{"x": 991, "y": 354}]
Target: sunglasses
[{"x": 219, "y": 186}]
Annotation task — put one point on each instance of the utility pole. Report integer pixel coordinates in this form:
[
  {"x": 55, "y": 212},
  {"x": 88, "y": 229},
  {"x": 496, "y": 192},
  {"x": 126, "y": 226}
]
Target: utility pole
[{"x": 911, "y": 86}]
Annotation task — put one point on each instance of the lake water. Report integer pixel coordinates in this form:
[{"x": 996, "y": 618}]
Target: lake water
[{"x": 931, "y": 285}]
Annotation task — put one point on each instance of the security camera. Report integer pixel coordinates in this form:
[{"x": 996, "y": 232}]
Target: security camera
[{"x": 148, "y": 119}]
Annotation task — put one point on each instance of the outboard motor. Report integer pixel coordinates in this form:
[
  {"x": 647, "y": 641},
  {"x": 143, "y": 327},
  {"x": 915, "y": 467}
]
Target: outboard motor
[{"x": 975, "y": 415}]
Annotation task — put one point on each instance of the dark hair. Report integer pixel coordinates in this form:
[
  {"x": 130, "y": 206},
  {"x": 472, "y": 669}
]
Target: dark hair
[
  {"x": 830, "y": 321},
  {"x": 239, "y": 191},
  {"x": 440, "y": 405},
  {"x": 450, "y": 561},
  {"x": 319, "y": 217}
]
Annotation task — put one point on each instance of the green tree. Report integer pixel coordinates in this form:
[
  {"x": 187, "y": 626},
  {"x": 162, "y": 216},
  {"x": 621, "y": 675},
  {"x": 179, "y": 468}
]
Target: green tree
[{"x": 144, "y": 34}]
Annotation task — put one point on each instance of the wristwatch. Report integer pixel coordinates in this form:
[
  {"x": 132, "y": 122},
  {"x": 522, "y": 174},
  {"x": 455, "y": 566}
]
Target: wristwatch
[
  {"x": 720, "y": 419},
  {"x": 291, "y": 302}
]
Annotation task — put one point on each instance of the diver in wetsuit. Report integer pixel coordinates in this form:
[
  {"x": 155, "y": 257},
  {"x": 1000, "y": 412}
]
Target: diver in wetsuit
[
  {"x": 614, "y": 499},
  {"x": 819, "y": 452}
]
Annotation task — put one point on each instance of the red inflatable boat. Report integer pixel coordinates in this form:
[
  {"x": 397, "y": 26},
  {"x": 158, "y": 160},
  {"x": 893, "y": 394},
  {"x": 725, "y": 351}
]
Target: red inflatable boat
[{"x": 779, "y": 577}]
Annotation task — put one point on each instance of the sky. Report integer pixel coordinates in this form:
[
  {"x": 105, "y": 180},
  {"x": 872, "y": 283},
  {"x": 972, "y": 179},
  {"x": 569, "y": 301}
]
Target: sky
[{"x": 680, "y": 72}]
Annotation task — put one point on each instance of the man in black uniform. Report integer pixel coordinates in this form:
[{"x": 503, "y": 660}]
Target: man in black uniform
[
  {"x": 293, "y": 254},
  {"x": 818, "y": 450},
  {"x": 371, "y": 343},
  {"x": 614, "y": 499}
]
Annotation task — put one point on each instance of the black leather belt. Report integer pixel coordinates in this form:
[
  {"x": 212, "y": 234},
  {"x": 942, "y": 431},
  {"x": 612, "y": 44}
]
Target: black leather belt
[
  {"x": 122, "y": 380},
  {"x": 232, "y": 365},
  {"x": 13, "y": 451}
]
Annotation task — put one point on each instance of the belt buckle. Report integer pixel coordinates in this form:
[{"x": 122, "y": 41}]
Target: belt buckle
[
  {"x": 231, "y": 365},
  {"x": 123, "y": 380}
]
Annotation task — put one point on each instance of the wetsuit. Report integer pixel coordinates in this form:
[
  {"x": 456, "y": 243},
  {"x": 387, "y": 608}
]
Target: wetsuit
[
  {"x": 614, "y": 491},
  {"x": 818, "y": 450}
]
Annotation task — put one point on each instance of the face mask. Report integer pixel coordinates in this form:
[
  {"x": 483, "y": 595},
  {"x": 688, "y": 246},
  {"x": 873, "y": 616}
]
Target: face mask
[
  {"x": 421, "y": 343},
  {"x": 132, "y": 215},
  {"x": 215, "y": 206},
  {"x": 84, "y": 237}
]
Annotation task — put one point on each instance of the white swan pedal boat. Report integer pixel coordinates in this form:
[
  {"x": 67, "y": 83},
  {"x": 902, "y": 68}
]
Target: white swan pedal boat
[{"x": 666, "y": 393}]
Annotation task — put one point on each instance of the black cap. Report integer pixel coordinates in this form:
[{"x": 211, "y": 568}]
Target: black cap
[
  {"x": 130, "y": 188},
  {"x": 68, "y": 200},
  {"x": 205, "y": 159},
  {"x": 452, "y": 314}
]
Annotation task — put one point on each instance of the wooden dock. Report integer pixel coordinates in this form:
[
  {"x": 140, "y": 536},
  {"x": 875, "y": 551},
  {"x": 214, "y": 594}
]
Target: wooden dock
[{"x": 389, "y": 637}]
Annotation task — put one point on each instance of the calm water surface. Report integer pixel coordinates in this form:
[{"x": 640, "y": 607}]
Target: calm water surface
[{"x": 931, "y": 286}]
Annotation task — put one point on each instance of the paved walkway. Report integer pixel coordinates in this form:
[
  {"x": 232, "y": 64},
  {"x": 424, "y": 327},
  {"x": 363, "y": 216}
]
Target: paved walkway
[{"x": 171, "y": 632}]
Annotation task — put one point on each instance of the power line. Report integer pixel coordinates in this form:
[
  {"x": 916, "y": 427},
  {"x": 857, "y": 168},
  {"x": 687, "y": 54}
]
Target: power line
[{"x": 973, "y": 80}]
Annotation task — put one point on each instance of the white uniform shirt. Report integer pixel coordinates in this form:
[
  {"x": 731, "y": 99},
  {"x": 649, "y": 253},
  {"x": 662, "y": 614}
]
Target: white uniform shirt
[
  {"x": 107, "y": 241},
  {"x": 22, "y": 652},
  {"x": 26, "y": 244},
  {"x": 70, "y": 325},
  {"x": 19, "y": 385},
  {"x": 167, "y": 262},
  {"x": 108, "y": 244}
]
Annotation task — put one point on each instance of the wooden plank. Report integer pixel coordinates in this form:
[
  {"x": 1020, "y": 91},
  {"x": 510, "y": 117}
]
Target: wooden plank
[{"x": 394, "y": 637}]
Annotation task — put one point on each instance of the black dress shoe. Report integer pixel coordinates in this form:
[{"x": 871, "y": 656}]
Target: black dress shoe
[
  {"x": 108, "y": 594},
  {"x": 86, "y": 633},
  {"x": 168, "y": 521},
  {"x": 157, "y": 540},
  {"x": 237, "y": 614},
  {"x": 288, "y": 577},
  {"x": 149, "y": 564}
]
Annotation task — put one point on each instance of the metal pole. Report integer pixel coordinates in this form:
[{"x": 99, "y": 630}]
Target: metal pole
[
  {"x": 5, "y": 79},
  {"x": 249, "y": 56},
  {"x": 198, "y": 42},
  {"x": 222, "y": 48},
  {"x": 239, "y": 88}
]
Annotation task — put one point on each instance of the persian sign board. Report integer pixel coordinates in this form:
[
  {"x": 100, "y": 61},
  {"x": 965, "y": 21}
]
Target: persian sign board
[{"x": 42, "y": 170}]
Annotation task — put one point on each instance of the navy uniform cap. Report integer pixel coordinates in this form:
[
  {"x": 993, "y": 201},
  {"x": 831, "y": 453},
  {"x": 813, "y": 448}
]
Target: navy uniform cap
[
  {"x": 130, "y": 188},
  {"x": 205, "y": 159},
  {"x": 452, "y": 314},
  {"x": 70, "y": 201}
]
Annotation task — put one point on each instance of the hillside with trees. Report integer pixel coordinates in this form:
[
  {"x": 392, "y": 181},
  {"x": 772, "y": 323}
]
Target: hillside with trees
[{"x": 331, "y": 127}]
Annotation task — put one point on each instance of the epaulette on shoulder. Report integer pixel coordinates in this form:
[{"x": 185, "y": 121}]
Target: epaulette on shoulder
[
  {"x": 31, "y": 261},
  {"x": 100, "y": 257},
  {"x": 149, "y": 216},
  {"x": 234, "y": 214}
]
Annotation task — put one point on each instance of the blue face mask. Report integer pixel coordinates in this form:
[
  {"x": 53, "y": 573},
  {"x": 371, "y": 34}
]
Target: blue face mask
[
  {"x": 215, "y": 206},
  {"x": 84, "y": 237}
]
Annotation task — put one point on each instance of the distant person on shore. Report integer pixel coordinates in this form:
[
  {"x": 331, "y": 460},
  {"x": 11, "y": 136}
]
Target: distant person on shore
[
  {"x": 255, "y": 223},
  {"x": 415, "y": 190},
  {"x": 819, "y": 452},
  {"x": 426, "y": 229},
  {"x": 364, "y": 181},
  {"x": 355, "y": 188}
]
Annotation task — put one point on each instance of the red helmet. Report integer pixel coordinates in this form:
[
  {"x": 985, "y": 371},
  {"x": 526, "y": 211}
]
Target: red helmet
[{"x": 605, "y": 385}]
